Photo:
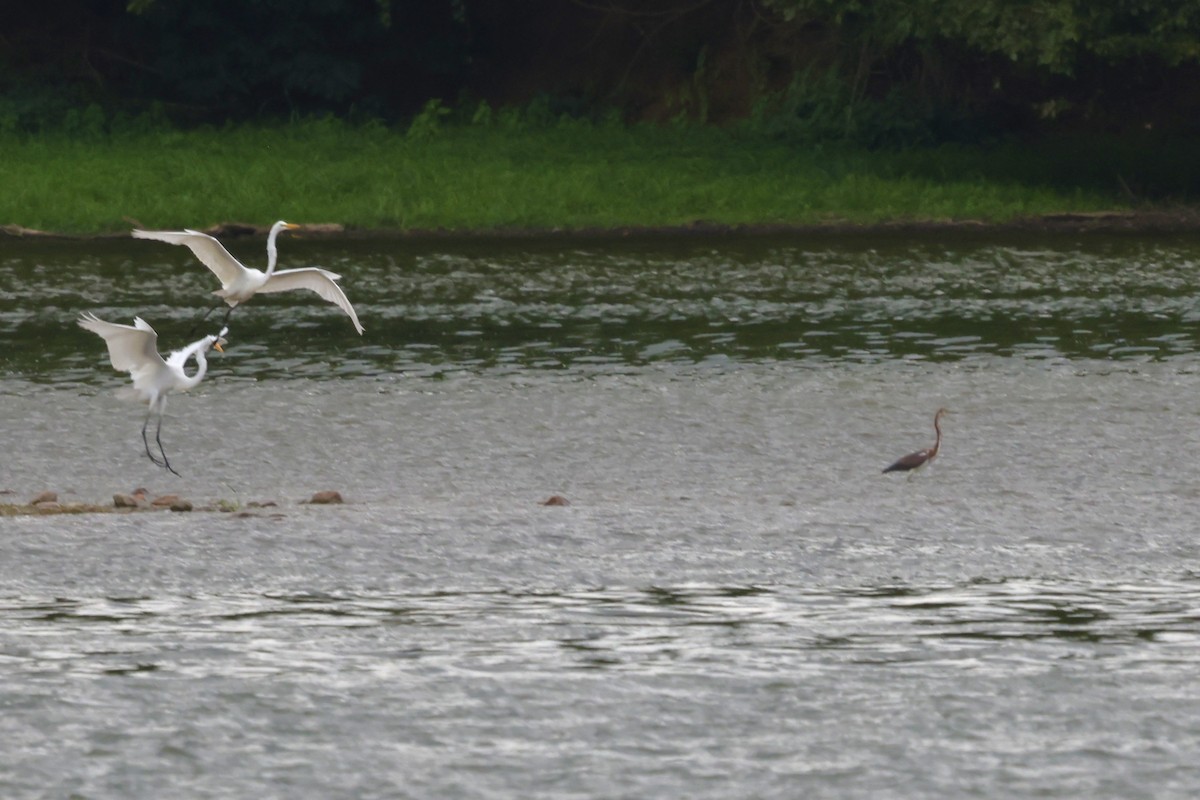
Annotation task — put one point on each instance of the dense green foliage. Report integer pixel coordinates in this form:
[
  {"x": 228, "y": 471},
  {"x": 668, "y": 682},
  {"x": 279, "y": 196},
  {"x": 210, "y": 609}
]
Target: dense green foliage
[
  {"x": 514, "y": 171},
  {"x": 473, "y": 114},
  {"x": 872, "y": 72},
  {"x": 1030, "y": 65},
  {"x": 208, "y": 60},
  {"x": 1056, "y": 34}
]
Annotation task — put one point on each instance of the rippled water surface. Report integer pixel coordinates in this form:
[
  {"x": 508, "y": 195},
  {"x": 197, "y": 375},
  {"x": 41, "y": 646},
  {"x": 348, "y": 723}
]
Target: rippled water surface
[{"x": 736, "y": 602}]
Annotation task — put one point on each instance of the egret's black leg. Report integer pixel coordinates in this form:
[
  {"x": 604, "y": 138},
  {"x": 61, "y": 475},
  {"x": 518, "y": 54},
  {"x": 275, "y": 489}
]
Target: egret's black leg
[
  {"x": 225, "y": 321},
  {"x": 146, "y": 442},
  {"x": 205, "y": 316},
  {"x": 158, "y": 438}
]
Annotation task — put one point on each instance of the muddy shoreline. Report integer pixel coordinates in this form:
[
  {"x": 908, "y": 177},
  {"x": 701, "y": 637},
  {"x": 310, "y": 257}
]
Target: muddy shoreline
[{"x": 1157, "y": 221}]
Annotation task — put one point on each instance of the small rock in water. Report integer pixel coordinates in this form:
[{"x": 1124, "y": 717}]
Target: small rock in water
[
  {"x": 324, "y": 227},
  {"x": 127, "y": 500},
  {"x": 165, "y": 500},
  {"x": 262, "y": 504},
  {"x": 44, "y": 497},
  {"x": 326, "y": 497},
  {"x": 181, "y": 505},
  {"x": 556, "y": 500}
]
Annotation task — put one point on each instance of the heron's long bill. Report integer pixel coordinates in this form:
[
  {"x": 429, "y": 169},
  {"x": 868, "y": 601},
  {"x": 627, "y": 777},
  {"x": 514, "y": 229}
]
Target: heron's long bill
[{"x": 218, "y": 348}]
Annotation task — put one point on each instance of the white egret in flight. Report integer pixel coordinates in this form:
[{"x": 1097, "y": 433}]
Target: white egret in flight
[
  {"x": 134, "y": 349},
  {"x": 239, "y": 283}
]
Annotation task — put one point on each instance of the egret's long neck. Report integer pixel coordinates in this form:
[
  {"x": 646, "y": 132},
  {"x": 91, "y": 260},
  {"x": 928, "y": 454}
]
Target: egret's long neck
[
  {"x": 199, "y": 351},
  {"x": 272, "y": 253},
  {"x": 938, "y": 428}
]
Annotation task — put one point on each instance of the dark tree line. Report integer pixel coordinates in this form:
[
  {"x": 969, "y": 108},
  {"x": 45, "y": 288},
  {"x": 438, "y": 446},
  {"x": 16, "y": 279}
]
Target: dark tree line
[
  {"x": 213, "y": 59},
  {"x": 934, "y": 68}
]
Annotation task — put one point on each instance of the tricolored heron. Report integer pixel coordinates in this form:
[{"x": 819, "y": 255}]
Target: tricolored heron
[{"x": 921, "y": 457}]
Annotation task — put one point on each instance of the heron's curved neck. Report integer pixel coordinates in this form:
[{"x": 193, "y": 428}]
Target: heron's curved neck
[{"x": 938, "y": 429}]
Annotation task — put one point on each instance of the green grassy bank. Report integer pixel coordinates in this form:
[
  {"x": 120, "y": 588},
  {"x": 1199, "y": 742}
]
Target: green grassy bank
[{"x": 564, "y": 175}]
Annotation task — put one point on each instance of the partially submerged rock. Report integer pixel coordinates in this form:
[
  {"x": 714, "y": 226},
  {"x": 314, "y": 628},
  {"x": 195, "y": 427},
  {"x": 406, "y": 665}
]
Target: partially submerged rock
[
  {"x": 50, "y": 507},
  {"x": 556, "y": 500},
  {"x": 19, "y": 230},
  {"x": 128, "y": 501},
  {"x": 232, "y": 230},
  {"x": 328, "y": 497},
  {"x": 47, "y": 503}
]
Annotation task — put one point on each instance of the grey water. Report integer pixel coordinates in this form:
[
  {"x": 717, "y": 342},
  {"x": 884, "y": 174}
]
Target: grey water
[{"x": 736, "y": 602}]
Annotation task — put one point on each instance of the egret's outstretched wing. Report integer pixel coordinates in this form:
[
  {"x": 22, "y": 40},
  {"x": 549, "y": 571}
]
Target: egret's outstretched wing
[
  {"x": 211, "y": 253},
  {"x": 321, "y": 281},
  {"x": 130, "y": 347}
]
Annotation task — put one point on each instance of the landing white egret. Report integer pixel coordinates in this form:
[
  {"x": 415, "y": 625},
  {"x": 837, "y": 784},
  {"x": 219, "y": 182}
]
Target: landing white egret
[
  {"x": 134, "y": 349},
  {"x": 239, "y": 283}
]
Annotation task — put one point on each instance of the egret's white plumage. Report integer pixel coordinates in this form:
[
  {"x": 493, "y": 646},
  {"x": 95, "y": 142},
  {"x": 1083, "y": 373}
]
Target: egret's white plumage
[
  {"x": 134, "y": 349},
  {"x": 239, "y": 283}
]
